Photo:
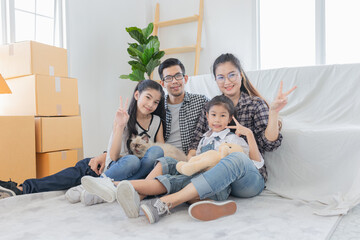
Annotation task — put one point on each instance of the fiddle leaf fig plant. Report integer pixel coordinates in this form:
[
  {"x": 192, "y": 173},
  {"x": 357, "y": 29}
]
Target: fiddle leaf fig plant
[{"x": 145, "y": 54}]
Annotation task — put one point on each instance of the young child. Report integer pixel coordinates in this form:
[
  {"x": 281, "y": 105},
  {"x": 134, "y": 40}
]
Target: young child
[
  {"x": 220, "y": 111},
  {"x": 145, "y": 115}
]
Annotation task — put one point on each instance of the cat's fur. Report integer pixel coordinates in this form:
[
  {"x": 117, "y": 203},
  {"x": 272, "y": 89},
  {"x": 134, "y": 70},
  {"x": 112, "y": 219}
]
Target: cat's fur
[{"x": 140, "y": 144}]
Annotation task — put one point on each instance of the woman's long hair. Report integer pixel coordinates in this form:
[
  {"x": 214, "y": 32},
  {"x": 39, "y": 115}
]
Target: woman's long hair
[
  {"x": 132, "y": 110},
  {"x": 246, "y": 85}
]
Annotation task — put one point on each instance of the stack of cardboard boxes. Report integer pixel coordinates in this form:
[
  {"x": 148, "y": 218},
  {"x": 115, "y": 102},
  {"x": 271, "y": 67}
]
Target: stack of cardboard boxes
[{"x": 42, "y": 113}]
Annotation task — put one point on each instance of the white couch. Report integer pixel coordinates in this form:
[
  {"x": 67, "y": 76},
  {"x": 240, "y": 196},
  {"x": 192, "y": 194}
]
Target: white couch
[{"x": 319, "y": 159}]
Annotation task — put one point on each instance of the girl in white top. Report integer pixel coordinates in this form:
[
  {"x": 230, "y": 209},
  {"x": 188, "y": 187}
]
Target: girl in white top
[{"x": 145, "y": 115}]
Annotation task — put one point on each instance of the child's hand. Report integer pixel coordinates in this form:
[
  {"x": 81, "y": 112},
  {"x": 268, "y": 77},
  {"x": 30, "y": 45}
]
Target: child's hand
[
  {"x": 240, "y": 129},
  {"x": 121, "y": 116},
  {"x": 281, "y": 99}
]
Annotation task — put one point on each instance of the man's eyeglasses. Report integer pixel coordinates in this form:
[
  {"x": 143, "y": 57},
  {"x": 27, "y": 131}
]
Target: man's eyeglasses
[
  {"x": 169, "y": 78},
  {"x": 231, "y": 76}
]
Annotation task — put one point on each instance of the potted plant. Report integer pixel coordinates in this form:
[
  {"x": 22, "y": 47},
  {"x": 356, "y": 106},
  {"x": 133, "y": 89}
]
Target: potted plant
[{"x": 145, "y": 53}]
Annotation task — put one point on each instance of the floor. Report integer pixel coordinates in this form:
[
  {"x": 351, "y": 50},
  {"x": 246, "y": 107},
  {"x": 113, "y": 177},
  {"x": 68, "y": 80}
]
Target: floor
[
  {"x": 50, "y": 216},
  {"x": 265, "y": 217},
  {"x": 348, "y": 226}
]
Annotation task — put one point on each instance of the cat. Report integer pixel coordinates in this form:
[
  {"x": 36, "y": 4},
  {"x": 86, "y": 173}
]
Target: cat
[{"x": 140, "y": 144}]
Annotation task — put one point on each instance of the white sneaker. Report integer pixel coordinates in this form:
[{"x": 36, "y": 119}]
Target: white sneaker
[
  {"x": 103, "y": 187},
  {"x": 89, "y": 199},
  {"x": 128, "y": 198},
  {"x": 74, "y": 193}
]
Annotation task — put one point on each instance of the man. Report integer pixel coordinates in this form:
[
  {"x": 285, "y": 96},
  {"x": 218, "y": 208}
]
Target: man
[
  {"x": 182, "y": 113},
  {"x": 183, "y": 109}
]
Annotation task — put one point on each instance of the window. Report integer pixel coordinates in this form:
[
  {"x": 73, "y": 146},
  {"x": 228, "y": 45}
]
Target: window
[
  {"x": 308, "y": 32},
  {"x": 342, "y": 36},
  {"x": 287, "y": 33},
  {"x": 39, "y": 20}
]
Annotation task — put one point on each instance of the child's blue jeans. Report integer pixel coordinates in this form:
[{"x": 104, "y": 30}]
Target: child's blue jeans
[{"x": 235, "y": 174}]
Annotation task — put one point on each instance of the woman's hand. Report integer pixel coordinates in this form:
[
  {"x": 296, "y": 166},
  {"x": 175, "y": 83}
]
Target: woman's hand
[
  {"x": 240, "y": 129},
  {"x": 281, "y": 99},
  {"x": 121, "y": 116}
]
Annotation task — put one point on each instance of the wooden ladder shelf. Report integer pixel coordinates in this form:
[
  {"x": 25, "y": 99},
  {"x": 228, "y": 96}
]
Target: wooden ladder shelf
[{"x": 184, "y": 49}]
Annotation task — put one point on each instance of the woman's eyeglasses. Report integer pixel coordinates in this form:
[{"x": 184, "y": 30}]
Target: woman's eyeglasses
[{"x": 232, "y": 77}]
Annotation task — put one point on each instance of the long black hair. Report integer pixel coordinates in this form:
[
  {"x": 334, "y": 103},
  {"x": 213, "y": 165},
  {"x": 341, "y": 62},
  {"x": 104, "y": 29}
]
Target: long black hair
[
  {"x": 246, "y": 85},
  {"x": 132, "y": 110}
]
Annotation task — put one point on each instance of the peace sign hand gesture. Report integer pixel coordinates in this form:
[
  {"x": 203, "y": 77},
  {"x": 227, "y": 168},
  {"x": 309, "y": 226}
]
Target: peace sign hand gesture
[
  {"x": 240, "y": 129},
  {"x": 281, "y": 99},
  {"x": 121, "y": 116}
]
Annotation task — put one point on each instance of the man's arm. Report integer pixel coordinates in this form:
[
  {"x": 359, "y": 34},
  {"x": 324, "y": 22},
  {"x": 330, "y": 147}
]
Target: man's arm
[{"x": 97, "y": 164}]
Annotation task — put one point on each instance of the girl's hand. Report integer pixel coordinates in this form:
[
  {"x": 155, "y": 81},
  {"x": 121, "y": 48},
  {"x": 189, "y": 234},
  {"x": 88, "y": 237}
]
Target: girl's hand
[
  {"x": 121, "y": 116},
  {"x": 281, "y": 99},
  {"x": 240, "y": 130}
]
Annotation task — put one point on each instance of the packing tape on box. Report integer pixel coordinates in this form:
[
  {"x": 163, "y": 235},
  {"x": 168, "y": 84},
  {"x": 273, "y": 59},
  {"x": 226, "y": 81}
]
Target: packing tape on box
[
  {"x": 63, "y": 155},
  {"x": 51, "y": 71},
  {"x": 11, "y": 50},
  {"x": 58, "y": 109},
  {"x": 57, "y": 84}
]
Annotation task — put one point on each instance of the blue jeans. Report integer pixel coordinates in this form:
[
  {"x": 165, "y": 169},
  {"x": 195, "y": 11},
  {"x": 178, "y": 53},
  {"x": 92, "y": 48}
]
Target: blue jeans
[
  {"x": 65, "y": 179},
  {"x": 131, "y": 167},
  {"x": 235, "y": 174},
  {"x": 172, "y": 180},
  {"x": 71, "y": 177}
]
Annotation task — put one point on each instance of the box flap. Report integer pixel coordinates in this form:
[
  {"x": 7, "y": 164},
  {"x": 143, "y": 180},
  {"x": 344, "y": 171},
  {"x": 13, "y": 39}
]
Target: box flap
[{"x": 4, "y": 88}]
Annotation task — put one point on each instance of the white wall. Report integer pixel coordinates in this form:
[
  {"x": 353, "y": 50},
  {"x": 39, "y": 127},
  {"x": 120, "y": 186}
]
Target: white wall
[
  {"x": 97, "y": 43},
  {"x": 228, "y": 26},
  {"x": 97, "y": 56}
]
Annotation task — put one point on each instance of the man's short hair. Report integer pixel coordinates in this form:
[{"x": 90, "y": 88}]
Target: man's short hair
[{"x": 169, "y": 63}]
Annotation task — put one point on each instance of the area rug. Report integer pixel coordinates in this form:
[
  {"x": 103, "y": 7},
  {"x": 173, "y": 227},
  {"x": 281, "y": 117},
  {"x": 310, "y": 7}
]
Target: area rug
[{"x": 50, "y": 216}]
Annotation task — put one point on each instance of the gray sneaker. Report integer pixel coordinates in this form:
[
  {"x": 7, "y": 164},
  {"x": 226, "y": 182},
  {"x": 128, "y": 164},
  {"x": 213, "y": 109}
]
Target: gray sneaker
[
  {"x": 154, "y": 209},
  {"x": 9, "y": 189},
  {"x": 128, "y": 198},
  {"x": 5, "y": 193}
]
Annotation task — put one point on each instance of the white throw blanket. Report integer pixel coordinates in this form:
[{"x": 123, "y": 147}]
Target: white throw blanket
[{"x": 319, "y": 159}]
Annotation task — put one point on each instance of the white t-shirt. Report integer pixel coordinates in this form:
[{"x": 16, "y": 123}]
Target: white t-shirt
[{"x": 152, "y": 132}]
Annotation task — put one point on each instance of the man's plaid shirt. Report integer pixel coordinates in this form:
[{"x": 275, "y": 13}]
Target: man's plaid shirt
[
  {"x": 251, "y": 112},
  {"x": 188, "y": 117}
]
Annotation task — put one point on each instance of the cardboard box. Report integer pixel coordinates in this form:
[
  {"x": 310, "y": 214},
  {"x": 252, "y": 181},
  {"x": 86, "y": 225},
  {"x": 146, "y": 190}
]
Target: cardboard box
[
  {"x": 57, "y": 133},
  {"x": 40, "y": 95},
  {"x": 53, "y": 162},
  {"x": 4, "y": 88},
  {"x": 17, "y": 148},
  {"x": 27, "y": 58}
]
